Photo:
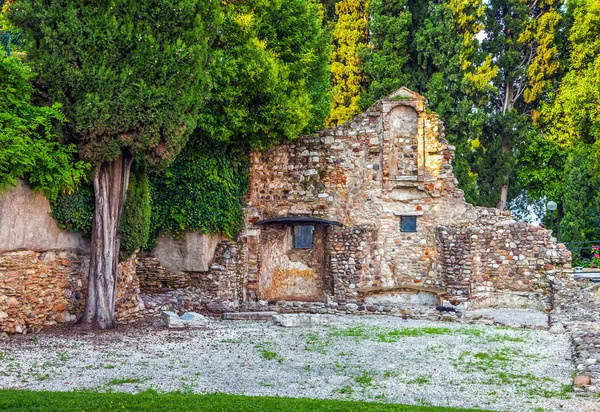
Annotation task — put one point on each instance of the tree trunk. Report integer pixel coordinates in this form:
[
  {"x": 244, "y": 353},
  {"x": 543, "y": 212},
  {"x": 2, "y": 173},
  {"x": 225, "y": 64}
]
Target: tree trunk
[
  {"x": 506, "y": 107},
  {"x": 110, "y": 186}
]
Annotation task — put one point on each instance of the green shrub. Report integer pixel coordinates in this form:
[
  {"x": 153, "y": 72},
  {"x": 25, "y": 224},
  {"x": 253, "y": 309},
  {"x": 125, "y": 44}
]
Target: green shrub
[
  {"x": 135, "y": 221},
  {"x": 75, "y": 211}
]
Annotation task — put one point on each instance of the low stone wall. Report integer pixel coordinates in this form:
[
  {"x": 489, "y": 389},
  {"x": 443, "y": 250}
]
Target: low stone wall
[
  {"x": 155, "y": 278},
  {"x": 217, "y": 289},
  {"x": 40, "y": 289},
  {"x": 577, "y": 312},
  {"x": 496, "y": 261}
]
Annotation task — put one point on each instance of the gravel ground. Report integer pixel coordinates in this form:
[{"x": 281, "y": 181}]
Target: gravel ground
[
  {"x": 374, "y": 358},
  {"x": 514, "y": 317}
]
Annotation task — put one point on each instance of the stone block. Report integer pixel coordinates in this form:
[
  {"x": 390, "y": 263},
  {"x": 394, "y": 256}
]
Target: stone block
[
  {"x": 251, "y": 316},
  {"x": 193, "y": 319},
  {"x": 171, "y": 319},
  {"x": 581, "y": 380}
]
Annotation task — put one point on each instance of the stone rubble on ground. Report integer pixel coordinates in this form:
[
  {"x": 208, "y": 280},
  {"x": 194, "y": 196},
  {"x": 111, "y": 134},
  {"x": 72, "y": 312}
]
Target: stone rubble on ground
[
  {"x": 188, "y": 319},
  {"x": 300, "y": 319}
]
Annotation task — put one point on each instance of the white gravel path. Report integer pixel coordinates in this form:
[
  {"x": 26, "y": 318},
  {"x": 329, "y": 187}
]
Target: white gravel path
[{"x": 374, "y": 358}]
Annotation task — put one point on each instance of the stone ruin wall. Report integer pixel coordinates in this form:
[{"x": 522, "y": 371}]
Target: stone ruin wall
[
  {"x": 496, "y": 261},
  {"x": 43, "y": 269},
  {"x": 394, "y": 161},
  {"x": 208, "y": 266}
]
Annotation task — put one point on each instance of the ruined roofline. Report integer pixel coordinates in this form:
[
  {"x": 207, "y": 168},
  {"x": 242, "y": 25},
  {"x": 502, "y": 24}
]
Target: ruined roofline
[{"x": 401, "y": 97}]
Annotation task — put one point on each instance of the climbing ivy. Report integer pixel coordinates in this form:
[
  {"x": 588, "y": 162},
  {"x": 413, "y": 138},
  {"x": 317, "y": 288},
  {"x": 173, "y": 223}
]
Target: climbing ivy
[
  {"x": 201, "y": 190},
  {"x": 75, "y": 211}
]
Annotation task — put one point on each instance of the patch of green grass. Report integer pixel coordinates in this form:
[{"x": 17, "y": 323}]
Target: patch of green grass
[
  {"x": 15, "y": 400},
  {"x": 388, "y": 374},
  {"x": 268, "y": 354},
  {"x": 63, "y": 355},
  {"x": 346, "y": 390},
  {"x": 2, "y": 355},
  {"x": 548, "y": 393},
  {"x": 355, "y": 332},
  {"x": 419, "y": 380},
  {"x": 230, "y": 341},
  {"x": 42, "y": 377},
  {"x": 315, "y": 343},
  {"x": 35, "y": 340},
  {"x": 122, "y": 381},
  {"x": 108, "y": 366},
  {"x": 364, "y": 379}
]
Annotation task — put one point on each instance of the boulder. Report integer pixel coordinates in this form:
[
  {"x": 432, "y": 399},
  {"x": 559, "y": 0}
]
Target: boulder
[
  {"x": 171, "y": 320},
  {"x": 299, "y": 319},
  {"x": 193, "y": 319}
]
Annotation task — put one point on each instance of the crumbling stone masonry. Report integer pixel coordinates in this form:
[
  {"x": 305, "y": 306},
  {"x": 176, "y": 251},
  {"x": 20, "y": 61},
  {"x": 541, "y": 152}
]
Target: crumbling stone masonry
[
  {"x": 43, "y": 270},
  {"x": 376, "y": 175}
]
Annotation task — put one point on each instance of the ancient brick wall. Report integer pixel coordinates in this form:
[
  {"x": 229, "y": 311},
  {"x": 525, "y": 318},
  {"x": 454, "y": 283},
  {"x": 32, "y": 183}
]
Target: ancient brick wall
[
  {"x": 391, "y": 162},
  {"x": 368, "y": 173}
]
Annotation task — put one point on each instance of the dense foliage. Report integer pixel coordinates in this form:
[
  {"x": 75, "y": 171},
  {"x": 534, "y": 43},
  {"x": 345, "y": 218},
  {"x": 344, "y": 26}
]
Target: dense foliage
[
  {"x": 134, "y": 230},
  {"x": 30, "y": 148},
  {"x": 201, "y": 190},
  {"x": 269, "y": 82},
  {"x": 268, "y": 77},
  {"x": 515, "y": 82},
  {"x": 142, "y": 98}
]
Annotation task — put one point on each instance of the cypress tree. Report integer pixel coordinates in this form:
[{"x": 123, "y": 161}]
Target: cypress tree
[
  {"x": 131, "y": 77},
  {"x": 350, "y": 37}
]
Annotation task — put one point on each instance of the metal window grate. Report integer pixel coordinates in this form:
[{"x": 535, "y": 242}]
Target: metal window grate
[
  {"x": 303, "y": 236},
  {"x": 408, "y": 224}
]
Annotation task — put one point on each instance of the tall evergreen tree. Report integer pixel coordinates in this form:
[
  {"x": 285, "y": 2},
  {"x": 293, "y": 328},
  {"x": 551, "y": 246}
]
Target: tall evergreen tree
[
  {"x": 131, "y": 78},
  {"x": 520, "y": 40},
  {"x": 386, "y": 58},
  {"x": 350, "y": 37},
  {"x": 269, "y": 82}
]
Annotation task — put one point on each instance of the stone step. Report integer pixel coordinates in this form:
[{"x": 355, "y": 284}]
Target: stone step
[{"x": 254, "y": 316}]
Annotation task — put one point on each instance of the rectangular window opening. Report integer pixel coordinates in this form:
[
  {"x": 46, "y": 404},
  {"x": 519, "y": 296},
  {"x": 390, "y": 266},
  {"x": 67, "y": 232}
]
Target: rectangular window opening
[
  {"x": 303, "y": 236},
  {"x": 408, "y": 224}
]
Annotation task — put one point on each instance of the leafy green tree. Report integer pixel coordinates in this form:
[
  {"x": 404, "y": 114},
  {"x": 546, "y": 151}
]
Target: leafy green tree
[
  {"x": 131, "y": 78},
  {"x": 269, "y": 77},
  {"x": 29, "y": 146},
  {"x": 561, "y": 161},
  {"x": 581, "y": 219},
  {"x": 521, "y": 42},
  {"x": 348, "y": 81},
  {"x": 269, "y": 81}
]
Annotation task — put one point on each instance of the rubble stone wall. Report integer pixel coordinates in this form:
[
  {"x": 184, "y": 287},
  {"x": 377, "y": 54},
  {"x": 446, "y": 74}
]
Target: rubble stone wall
[
  {"x": 497, "y": 255},
  {"x": 390, "y": 163},
  {"x": 43, "y": 269},
  {"x": 46, "y": 288}
]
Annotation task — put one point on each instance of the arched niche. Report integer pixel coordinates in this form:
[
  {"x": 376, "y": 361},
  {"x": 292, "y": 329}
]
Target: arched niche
[{"x": 403, "y": 142}]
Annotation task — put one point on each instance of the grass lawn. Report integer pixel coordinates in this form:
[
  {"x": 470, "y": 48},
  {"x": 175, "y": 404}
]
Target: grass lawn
[{"x": 16, "y": 400}]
